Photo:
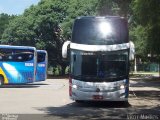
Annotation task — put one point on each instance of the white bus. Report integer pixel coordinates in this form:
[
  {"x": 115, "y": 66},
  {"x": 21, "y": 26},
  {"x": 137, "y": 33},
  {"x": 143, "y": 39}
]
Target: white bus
[{"x": 99, "y": 53}]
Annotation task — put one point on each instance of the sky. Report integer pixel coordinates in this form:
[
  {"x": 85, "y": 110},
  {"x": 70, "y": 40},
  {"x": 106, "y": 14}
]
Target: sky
[{"x": 15, "y": 7}]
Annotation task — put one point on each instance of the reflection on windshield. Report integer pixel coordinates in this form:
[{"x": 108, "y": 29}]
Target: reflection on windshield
[
  {"x": 100, "y": 31},
  {"x": 99, "y": 65}
]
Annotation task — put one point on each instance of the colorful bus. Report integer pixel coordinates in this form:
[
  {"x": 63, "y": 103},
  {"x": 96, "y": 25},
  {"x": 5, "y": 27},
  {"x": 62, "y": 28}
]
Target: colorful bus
[
  {"x": 42, "y": 63},
  {"x": 99, "y": 53},
  {"x": 17, "y": 64}
]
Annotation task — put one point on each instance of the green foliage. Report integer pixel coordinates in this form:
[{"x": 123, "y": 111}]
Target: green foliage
[
  {"x": 146, "y": 13},
  {"x": 114, "y": 7},
  {"x": 48, "y": 24},
  {"x": 19, "y": 32},
  {"x": 77, "y": 8},
  {"x": 138, "y": 35},
  {"x": 107, "y": 7},
  {"x": 4, "y": 21},
  {"x": 40, "y": 26}
]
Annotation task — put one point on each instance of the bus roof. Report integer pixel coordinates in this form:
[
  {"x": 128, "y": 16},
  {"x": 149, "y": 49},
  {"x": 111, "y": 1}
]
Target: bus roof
[
  {"x": 99, "y": 17},
  {"x": 17, "y": 47},
  {"x": 42, "y": 51}
]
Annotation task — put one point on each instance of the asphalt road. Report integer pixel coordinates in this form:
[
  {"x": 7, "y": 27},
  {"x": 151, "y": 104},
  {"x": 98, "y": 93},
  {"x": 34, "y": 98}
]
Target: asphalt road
[{"x": 49, "y": 100}]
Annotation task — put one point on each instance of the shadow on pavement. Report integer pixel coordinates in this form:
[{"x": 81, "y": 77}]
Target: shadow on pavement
[
  {"x": 89, "y": 110},
  {"x": 149, "y": 81},
  {"x": 97, "y": 111},
  {"x": 33, "y": 85},
  {"x": 58, "y": 77},
  {"x": 147, "y": 94}
]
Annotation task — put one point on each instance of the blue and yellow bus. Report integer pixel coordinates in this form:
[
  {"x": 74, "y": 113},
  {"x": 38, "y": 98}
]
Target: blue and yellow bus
[
  {"x": 42, "y": 63},
  {"x": 17, "y": 64}
]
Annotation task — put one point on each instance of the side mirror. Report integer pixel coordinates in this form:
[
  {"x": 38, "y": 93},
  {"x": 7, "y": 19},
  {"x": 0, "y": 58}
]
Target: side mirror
[{"x": 64, "y": 49}]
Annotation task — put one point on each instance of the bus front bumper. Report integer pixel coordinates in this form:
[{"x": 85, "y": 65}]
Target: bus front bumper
[{"x": 119, "y": 95}]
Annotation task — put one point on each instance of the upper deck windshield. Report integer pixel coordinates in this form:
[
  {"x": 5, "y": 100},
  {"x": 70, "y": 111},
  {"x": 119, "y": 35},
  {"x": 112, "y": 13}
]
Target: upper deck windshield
[
  {"x": 16, "y": 55},
  {"x": 100, "y": 31},
  {"x": 99, "y": 66}
]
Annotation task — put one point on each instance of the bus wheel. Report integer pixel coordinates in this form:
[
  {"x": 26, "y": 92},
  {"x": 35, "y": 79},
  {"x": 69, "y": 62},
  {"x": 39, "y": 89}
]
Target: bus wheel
[
  {"x": 1, "y": 81},
  {"x": 125, "y": 103}
]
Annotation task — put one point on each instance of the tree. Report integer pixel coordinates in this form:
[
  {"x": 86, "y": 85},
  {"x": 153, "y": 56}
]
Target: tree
[
  {"x": 75, "y": 9},
  {"x": 48, "y": 24},
  {"x": 107, "y": 7},
  {"x": 138, "y": 35},
  {"x": 114, "y": 7},
  {"x": 4, "y": 21},
  {"x": 146, "y": 14},
  {"x": 19, "y": 32}
]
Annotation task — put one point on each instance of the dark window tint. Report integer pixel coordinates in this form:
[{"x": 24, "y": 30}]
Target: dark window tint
[
  {"x": 41, "y": 57},
  {"x": 97, "y": 66},
  {"x": 16, "y": 55},
  {"x": 100, "y": 31}
]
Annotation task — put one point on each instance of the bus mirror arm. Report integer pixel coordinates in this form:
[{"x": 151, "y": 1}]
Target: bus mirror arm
[{"x": 64, "y": 49}]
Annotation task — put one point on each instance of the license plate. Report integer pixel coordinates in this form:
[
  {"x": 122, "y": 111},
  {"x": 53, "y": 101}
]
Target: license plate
[{"x": 97, "y": 97}]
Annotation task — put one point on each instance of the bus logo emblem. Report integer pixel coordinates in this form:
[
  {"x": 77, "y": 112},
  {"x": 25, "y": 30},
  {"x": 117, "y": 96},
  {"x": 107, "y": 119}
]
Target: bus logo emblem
[{"x": 98, "y": 90}]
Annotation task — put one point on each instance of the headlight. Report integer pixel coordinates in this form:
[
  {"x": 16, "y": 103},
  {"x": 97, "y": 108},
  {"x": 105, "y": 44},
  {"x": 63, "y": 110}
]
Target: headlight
[
  {"x": 122, "y": 86},
  {"x": 74, "y": 86}
]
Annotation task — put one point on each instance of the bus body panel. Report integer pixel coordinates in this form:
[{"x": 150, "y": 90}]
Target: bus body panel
[
  {"x": 42, "y": 61},
  {"x": 15, "y": 67},
  {"x": 101, "y": 91},
  {"x": 22, "y": 73},
  {"x": 86, "y": 63}
]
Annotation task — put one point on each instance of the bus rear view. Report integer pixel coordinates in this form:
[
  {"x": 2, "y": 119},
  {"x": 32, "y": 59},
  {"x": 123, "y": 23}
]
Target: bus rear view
[{"x": 99, "y": 59}]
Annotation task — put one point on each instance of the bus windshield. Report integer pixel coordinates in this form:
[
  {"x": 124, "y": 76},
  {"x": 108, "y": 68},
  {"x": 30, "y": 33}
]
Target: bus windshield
[
  {"x": 101, "y": 31},
  {"x": 99, "y": 66},
  {"x": 41, "y": 57},
  {"x": 16, "y": 55}
]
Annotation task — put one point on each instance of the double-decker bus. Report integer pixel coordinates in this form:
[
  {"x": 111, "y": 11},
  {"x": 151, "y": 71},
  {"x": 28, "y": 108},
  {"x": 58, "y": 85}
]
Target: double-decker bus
[
  {"x": 17, "y": 64},
  {"x": 99, "y": 53},
  {"x": 42, "y": 63}
]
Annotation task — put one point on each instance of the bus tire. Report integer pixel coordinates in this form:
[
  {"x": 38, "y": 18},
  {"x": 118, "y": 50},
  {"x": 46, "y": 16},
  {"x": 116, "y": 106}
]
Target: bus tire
[
  {"x": 1, "y": 80},
  {"x": 125, "y": 103}
]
